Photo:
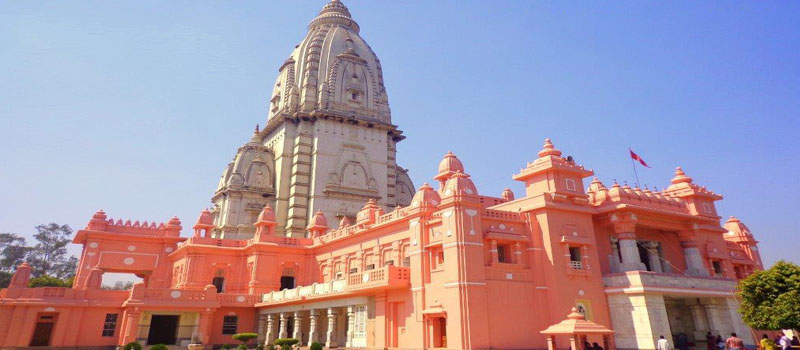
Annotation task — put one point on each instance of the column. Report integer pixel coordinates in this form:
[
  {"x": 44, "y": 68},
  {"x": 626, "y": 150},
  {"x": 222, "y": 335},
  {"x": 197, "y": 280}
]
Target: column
[
  {"x": 298, "y": 326},
  {"x": 131, "y": 326},
  {"x": 699, "y": 319},
  {"x": 313, "y": 332},
  {"x": 691, "y": 253},
  {"x": 631, "y": 261},
  {"x": 271, "y": 329},
  {"x": 625, "y": 228},
  {"x": 653, "y": 257},
  {"x": 351, "y": 325},
  {"x": 261, "y": 328},
  {"x": 613, "y": 258},
  {"x": 493, "y": 251},
  {"x": 282, "y": 328},
  {"x": 330, "y": 340},
  {"x": 204, "y": 327}
]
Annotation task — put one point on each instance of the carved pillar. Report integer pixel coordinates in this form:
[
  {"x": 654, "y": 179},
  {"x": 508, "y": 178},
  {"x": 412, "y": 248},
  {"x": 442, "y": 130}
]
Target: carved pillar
[
  {"x": 713, "y": 318},
  {"x": 653, "y": 257},
  {"x": 282, "y": 333},
  {"x": 313, "y": 332},
  {"x": 351, "y": 325},
  {"x": 271, "y": 329},
  {"x": 699, "y": 319},
  {"x": 330, "y": 340},
  {"x": 625, "y": 227},
  {"x": 691, "y": 253},
  {"x": 517, "y": 253},
  {"x": 298, "y": 326},
  {"x": 493, "y": 251}
]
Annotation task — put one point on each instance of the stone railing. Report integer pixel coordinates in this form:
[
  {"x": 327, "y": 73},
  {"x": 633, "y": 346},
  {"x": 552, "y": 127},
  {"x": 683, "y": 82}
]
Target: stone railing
[
  {"x": 646, "y": 281},
  {"x": 231, "y": 299},
  {"x": 383, "y": 278}
]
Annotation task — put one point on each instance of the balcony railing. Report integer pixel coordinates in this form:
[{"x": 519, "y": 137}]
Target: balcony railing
[{"x": 383, "y": 278}]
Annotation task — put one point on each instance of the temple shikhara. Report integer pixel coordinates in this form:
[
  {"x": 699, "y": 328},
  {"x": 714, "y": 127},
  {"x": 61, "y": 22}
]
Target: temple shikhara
[{"x": 316, "y": 233}]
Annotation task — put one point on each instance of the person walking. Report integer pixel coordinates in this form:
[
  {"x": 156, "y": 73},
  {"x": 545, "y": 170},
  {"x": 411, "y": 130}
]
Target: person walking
[
  {"x": 663, "y": 344},
  {"x": 785, "y": 342},
  {"x": 734, "y": 343},
  {"x": 766, "y": 343}
]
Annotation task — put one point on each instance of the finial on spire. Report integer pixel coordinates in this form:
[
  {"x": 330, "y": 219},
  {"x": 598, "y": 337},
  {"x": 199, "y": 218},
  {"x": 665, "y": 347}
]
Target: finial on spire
[
  {"x": 257, "y": 128},
  {"x": 548, "y": 149}
]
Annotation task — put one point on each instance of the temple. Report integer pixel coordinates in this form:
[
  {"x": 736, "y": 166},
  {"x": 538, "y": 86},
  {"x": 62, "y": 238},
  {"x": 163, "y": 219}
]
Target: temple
[{"x": 315, "y": 233}]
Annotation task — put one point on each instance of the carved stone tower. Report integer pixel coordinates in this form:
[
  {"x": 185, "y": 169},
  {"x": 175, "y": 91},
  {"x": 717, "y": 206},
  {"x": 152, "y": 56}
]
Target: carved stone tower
[{"x": 329, "y": 144}]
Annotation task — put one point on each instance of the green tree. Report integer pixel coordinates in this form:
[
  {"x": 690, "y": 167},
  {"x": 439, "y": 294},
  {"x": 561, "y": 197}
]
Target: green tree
[
  {"x": 49, "y": 255},
  {"x": 49, "y": 281},
  {"x": 12, "y": 251},
  {"x": 5, "y": 278},
  {"x": 771, "y": 298}
]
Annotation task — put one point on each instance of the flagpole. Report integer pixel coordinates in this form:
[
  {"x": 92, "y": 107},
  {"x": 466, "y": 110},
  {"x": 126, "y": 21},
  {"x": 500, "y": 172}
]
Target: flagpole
[{"x": 634, "y": 172}]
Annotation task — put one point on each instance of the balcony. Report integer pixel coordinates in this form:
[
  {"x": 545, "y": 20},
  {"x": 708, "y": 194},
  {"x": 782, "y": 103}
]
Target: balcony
[
  {"x": 387, "y": 277},
  {"x": 637, "y": 282}
]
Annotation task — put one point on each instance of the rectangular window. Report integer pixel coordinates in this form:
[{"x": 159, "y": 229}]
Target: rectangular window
[
  {"x": 370, "y": 267},
  {"x": 575, "y": 258},
  {"x": 389, "y": 262},
  {"x": 229, "y": 324},
  {"x": 571, "y": 185},
  {"x": 354, "y": 270},
  {"x": 110, "y": 325},
  {"x": 407, "y": 261},
  {"x": 501, "y": 254},
  {"x": 717, "y": 267}
]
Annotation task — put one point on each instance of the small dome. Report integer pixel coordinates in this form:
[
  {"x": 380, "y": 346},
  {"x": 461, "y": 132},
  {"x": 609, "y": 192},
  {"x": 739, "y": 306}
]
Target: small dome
[
  {"x": 267, "y": 214},
  {"x": 549, "y": 150},
  {"x": 205, "y": 219},
  {"x": 680, "y": 177},
  {"x": 449, "y": 165},
  {"x": 318, "y": 221},
  {"x": 460, "y": 183},
  {"x": 99, "y": 215},
  {"x": 507, "y": 194},
  {"x": 426, "y": 196},
  {"x": 735, "y": 227}
]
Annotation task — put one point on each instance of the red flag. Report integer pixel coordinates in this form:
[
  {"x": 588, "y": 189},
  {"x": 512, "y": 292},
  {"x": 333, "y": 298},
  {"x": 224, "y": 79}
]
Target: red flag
[{"x": 636, "y": 157}]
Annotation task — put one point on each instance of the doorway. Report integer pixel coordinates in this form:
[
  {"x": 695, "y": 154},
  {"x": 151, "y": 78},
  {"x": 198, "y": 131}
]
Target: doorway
[
  {"x": 219, "y": 283},
  {"x": 163, "y": 330},
  {"x": 44, "y": 330},
  {"x": 287, "y": 282}
]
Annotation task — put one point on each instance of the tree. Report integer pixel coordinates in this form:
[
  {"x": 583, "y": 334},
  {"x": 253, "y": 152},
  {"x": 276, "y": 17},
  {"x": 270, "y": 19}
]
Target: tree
[
  {"x": 244, "y": 338},
  {"x": 5, "y": 278},
  {"x": 49, "y": 255},
  {"x": 49, "y": 281},
  {"x": 120, "y": 285},
  {"x": 771, "y": 298},
  {"x": 12, "y": 250}
]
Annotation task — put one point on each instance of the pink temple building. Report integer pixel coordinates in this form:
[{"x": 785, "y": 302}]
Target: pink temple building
[{"x": 317, "y": 234}]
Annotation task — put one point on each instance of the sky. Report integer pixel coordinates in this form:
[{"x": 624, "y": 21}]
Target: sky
[{"x": 136, "y": 107}]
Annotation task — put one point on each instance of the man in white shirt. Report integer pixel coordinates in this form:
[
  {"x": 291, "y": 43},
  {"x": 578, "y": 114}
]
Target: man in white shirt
[
  {"x": 786, "y": 343},
  {"x": 663, "y": 344}
]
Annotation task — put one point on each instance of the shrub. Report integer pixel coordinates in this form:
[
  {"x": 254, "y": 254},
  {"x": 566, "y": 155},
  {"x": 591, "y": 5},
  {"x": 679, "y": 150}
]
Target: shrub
[
  {"x": 260, "y": 347},
  {"x": 242, "y": 346},
  {"x": 245, "y": 337},
  {"x": 225, "y": 347},
  {"x": 159, "y": 347},
  {"x": 132, "y": 346},
  {"x": 286, "y": 341},
  {"x": 316, "y": 346}
]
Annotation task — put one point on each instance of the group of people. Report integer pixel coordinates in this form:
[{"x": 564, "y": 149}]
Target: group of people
[{"x": 782, "y": 342}]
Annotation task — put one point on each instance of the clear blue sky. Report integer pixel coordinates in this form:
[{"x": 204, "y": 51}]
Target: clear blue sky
[{"x": 136, "y": 107}]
